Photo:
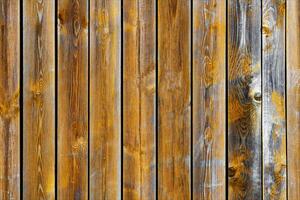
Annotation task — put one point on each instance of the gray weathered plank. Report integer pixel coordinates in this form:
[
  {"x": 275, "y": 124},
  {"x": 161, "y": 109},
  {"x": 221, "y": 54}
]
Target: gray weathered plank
[
  {"x": 244, "y": 99},
  {"x": 209, "y": 46},
  {"x": 274, "y": 127}
]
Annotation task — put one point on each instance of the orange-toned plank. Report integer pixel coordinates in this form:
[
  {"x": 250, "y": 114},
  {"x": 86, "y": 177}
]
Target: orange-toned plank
[
  {"x": 72, "y": 99},
  {"x": 209, "y": 46},
  {"x": 9, "y": 99},
  {"x": 293, "y": 97},
  {"x": 38, "y": 106},
  {"x": 139, "y": 99},
  {"x": 174, "y": 98},
  {"x": 244, "y": 99},
  {"x": 105, "y": 101},
  {"x": 274, "y": 117}
]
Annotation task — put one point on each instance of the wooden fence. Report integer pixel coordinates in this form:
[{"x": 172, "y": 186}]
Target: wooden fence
[{"x": 150, "y": 99}]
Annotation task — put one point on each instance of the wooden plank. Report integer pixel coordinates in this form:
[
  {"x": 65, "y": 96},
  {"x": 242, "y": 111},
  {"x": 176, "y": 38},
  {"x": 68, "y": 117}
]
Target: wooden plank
[
  {"x": 174, "y": 98},
  {"x": 72, "y": 99},
  {"x": 39, "y": 97},
  {"x": 274, "y": 129},
  {"x": 9, "y": 99},
  {"x": 139, "y": 100},
  {"x": 209, "y": 45},
  {"x": 293, "y": 97},
  {"x": 244, "y": 99},
  {"x": 105, "y": 101}
]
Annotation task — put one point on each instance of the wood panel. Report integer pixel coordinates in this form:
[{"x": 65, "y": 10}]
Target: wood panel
[
  {"x": 244, "y": 99},
  {"x": 105, "y": 122},
  {"x": 274, "y": 122},
  {"x": 293, "y": 97},
  {"x": 174, "y": 99},
  {"x": 72, "y": 99},
  {"x": 9, "y": 99},
  {"x": 38, "y": 106},
  {"x": 139, "y": 100},
  {"x": 209, "y": 45}
]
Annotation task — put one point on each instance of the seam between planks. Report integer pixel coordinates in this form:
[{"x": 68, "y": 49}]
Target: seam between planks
[{"x": 21, "y": 98}]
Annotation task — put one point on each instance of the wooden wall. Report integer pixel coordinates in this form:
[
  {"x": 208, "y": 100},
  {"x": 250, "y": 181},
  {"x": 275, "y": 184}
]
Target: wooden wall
[{"x": 149, "y": 99}]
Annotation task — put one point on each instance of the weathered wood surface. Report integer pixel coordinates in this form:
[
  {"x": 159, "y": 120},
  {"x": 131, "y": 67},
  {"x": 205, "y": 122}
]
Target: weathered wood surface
[
  {"x": 105, "y": 99},
  {"x": 139, "y": 100},
  {"x": 244, "y": 99},
  {"x": 274, "y": 122},
  {"x": 209, "y": 45},
  {"x": 39, "y": 100},
  {"x": 293, "y": 97},
  {"x": 174, "y": 116},
  {"x": 72, "y": 99},
  {"x": 9, "y": 99}
]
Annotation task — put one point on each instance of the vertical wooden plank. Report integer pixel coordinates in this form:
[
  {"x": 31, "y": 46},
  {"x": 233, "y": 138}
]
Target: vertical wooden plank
[
  {"x": 274, "y": 129},
  {"x": 244, "y": 99},
  {"x": 174, "y": 136},
  {"x": 9, "y": 99},
  {"x": 72, "y": 99},
  {"x": 105, "y": 122},
  {"x": 139, "y": 99},
  {"x": 293, "y": 97},
  {"x": 209, "y": 32},
  {"x": 38, "y": 106}
]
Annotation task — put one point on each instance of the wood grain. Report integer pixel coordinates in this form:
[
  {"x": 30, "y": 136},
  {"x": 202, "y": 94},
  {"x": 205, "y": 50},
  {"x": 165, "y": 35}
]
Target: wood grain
[
  {"x": 72, "y": 99},
  {"x": 105, "y": 122},
  {"x": 244, "y": 99},
  {"x": 174, "y": 98},
  {"x": 39, "y": 100},
  {"x": 9, "y": 99},
  {"x": 293, "y": 97},
  {"x": 274, "y": 122},
  {"x": 209, "y": 32},
  {"x": 139, "y": 100}
]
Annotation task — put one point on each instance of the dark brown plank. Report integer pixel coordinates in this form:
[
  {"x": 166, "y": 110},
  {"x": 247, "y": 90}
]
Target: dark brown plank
[
  {"x": 39, "y": 100},
  {"x": 244, "y": 99},
  {"x": 139, "y": 99},
  {"x": 274, "y": 116},
  {"x": 9, "y": 99},
  {"x": 174, "y": 117},
  {"x": 72, "y": 99},
  {"x": 209, "y": 46},
  {"x": 105, "y": 122}
]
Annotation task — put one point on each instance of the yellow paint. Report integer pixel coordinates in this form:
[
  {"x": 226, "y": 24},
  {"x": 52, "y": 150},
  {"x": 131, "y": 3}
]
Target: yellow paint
[
  {"x": 278, "y": 101},
  {"x": 280, "y": 12},
  {"x": 266, "y": 31},
  {"x": 240, "y": 63},
  {"x": 10, "y": 107},
  {"x": 238, "y": 174},
  {"x": 235, "y": 110}
]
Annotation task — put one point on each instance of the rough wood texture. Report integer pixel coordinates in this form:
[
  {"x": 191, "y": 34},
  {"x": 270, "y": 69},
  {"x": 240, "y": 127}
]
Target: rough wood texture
[
  {"x": 139, "y": 99},
  {"x": 174, "y": 117},
  {"x": 105, "y": 122},
  {"x": 38, "y": 90},
  {"x": 274, "y": 130},
  {"x": 209, "y": 32},
  {"x": 9, "y": 99},
  {"x": 244, "y": 99},
  {"x": 72, "y": 99},
  {"x": 293, "y": 97}
]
